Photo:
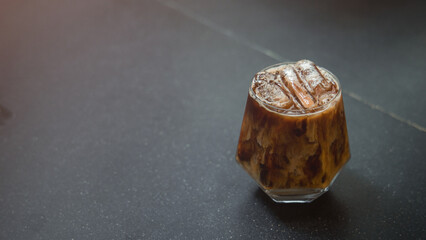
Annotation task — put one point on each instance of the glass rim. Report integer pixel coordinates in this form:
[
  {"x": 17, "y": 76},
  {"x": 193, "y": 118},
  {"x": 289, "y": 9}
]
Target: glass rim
[{"x": 285, "y": 111}]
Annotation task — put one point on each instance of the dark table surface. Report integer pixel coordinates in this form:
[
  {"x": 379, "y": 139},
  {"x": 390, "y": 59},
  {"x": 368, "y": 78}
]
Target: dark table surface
[{"x": 120, "y": 119}]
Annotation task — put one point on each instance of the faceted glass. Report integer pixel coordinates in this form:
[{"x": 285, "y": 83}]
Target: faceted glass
[{"x": 293, "y": 156}]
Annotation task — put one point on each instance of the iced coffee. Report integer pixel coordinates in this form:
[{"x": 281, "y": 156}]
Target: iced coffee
[{"x": 293, "y": 138}]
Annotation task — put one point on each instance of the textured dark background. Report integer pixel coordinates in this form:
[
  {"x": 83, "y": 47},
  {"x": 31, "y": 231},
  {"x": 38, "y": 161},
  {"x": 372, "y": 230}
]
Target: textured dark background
[{"x": 120, "y": 119}]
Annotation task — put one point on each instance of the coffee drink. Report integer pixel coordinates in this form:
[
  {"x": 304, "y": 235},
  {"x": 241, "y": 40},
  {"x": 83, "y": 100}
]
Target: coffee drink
[{"x": 293, "y": 138}]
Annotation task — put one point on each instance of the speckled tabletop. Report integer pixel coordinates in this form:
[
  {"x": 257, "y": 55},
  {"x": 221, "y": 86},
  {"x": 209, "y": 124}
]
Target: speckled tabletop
[{"x": 120, "y": 119}]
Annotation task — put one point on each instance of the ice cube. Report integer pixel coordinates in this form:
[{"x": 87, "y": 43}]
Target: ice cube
[
  {"x": 326, "y": 98},
  {"x": 308, "y": 72},
  {"x": 295, "y": 86},
  {"x": 273, "y": 94},
  {"x": 264, "y": 76},
  {"x": 315, "y": 82},
  {"x": 329, "y": 84}
]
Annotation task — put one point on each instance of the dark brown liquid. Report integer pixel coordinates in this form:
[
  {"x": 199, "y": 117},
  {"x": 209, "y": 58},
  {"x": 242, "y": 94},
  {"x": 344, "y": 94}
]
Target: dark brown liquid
[{"x": 283, "y": 151}]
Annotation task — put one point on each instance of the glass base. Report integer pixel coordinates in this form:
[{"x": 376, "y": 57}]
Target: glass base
[
  {"x": 304, "y": 195},
  {"x": 297, "y": 195}
]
